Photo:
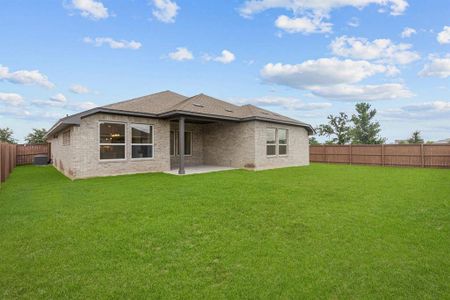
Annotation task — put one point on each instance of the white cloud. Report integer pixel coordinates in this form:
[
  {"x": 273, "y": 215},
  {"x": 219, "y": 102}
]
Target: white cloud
[
  {"x": 318, "y": 7},
  {"x": 323, "y": 71},
  {"x": 81, "y": 106},
  {"x": 439, "y": 106},
  {"x": 305, "y": 25},
  {"x": 25, "y": 77},
  {"x": 58, "y": 98},
  {"x": 79, "y": 89},
  {"x": 388, "y": 91},
  {"x": 181, "y": 54},
  {"x": 114, "y": 44},
  {"x": 11, "y": 99},
  {"x": 353, "y": 22},
  {"x": 443, "y": 37},
  {"x": 420, "y": 111},
  {"x": 381, "y": 50},
  {"x": 91, "y": 9},
  {"x": 165, "y": 10},
  {"x": 286, "y": 102},
  {"x": 226, "y": 57},
  {"x": 408, "y": 32},
  {"x": 438, "y": 67},
  {"x": 336, "y": 79}
]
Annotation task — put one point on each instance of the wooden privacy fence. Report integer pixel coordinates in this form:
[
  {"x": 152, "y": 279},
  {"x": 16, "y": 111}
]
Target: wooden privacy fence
[
  {"x": 414, "y": 155},
  {"x": 26, "y": 152},
  {"x": 7, "y": 160}
]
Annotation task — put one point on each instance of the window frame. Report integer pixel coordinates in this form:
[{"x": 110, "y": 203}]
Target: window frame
[
  {"x": 112, "y": 144},
  {"x": 176, "y": 145},
  {"x": 287, "y": 142},
  {"x": 277, "y": 142},
  {"x": 138, "y": 144},
  {"x": 271, "y": 144},
  {"x": 64, "y": 138}
]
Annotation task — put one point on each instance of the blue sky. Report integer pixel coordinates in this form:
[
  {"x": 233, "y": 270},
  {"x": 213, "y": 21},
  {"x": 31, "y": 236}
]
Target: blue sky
[{"x": 304, "y": 59}]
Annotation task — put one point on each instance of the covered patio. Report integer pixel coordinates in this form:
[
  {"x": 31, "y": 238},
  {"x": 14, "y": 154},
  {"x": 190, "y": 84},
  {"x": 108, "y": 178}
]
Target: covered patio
[{"x": 195, "y": 143}]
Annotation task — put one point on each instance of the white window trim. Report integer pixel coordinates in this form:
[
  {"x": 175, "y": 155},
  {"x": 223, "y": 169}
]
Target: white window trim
[
  {"x": 133, "y": 144},
  {"x": 277, "y": 143},
  {"x": 271, "y": 144},
  {"x": 177, "y": 149},
  {"x": 287, "y": 143},
  {"x": 112, "y": 144}
]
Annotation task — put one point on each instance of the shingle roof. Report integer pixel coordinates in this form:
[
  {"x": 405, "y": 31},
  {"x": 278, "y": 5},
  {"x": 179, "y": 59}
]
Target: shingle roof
[
  {"x": 155, "y": 103},
  {"x": 167, "y": 104}
]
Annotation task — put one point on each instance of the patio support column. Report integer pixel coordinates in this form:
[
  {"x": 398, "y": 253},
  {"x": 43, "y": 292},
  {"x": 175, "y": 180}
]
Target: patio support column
[{"x": 181, "y": 145}]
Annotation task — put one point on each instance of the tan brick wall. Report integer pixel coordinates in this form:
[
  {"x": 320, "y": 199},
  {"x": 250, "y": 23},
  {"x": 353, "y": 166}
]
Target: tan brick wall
[
  {"x": 63, "y": 156},
  {"x": 298, "y": 147},
  {"x": 229, "y": 144},
  {"x": 239, "y": 145}
]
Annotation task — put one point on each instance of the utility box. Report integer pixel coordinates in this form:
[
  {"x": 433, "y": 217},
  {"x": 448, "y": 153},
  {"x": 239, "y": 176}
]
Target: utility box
[{"x": 40, "y": 160}]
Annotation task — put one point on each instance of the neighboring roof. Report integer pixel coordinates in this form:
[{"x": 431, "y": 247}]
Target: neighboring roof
[{"x": 169, "y": 104}]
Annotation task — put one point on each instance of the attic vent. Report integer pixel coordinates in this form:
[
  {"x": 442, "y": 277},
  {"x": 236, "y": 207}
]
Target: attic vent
[
  {"x": 228, "y": 110},
  {"x": 266, "y": 113},
  {"x": 198, "y": 105}
]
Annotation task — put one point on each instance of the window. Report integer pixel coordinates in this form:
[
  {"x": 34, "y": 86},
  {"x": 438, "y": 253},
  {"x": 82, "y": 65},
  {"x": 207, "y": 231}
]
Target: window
[
  {"x": 175, "y": 140},
  {"x": 66, "y": 138},
  {"x": 282, "y": 141},
  {"x": 271, "y": 141},
  {"x": 112, "y": 141},
  {"x": 141, "y": 141},
  {"x": 276, "y": 141}
]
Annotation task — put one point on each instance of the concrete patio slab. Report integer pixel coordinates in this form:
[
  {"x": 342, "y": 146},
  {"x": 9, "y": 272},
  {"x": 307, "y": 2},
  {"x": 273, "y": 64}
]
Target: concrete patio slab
[{"x": 200, "y": 169}]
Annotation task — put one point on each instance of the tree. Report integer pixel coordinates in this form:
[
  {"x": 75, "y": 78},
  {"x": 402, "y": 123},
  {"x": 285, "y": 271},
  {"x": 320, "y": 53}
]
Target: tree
[
  {"x": 36, "y": 136},
  {"x": 365, "y": 130},
  {"x": 337, "y": 128},
  {"x": 6, "y": 135},
  {"x": 313, "y": 141},
  {"x": 415, "y": 138}
]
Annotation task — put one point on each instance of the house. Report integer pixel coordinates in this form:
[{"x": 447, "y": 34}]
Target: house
[{"x": 166, "y": 131}]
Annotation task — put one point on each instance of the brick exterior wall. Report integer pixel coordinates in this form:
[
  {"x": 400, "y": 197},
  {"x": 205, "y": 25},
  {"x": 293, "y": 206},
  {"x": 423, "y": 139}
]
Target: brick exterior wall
[
  {"x": 239, "y": 145},
  {"x": 229, "y": 144},
  {"x": 63, "y": 156},
  {"x": 298, "y": 147}
]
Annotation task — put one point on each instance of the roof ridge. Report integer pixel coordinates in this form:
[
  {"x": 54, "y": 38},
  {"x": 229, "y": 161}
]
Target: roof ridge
[
  {"x": 181, "y": 102},
  {"x": 137, "y": 98}
]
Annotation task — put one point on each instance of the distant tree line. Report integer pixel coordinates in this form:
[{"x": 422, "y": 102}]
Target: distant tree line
[
  {"x": 36, "y": 136},
  {"x": 360, "y": 128}
]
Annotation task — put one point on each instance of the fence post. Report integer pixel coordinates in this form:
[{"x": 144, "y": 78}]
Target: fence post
[
  {"x": 350, "y": 156},
  {"x": 382, "y": 155},
  {"x": 422, "y": 155}
]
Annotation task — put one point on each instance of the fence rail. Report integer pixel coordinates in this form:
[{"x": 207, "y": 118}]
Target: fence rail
[
  {"x": 26, "y": 152},
  {"x": 413, "y": 155},
  {"x": 7, "y": 160}
]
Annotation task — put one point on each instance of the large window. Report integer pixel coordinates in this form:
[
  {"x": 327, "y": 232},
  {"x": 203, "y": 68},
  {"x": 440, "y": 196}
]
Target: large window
[
  {"x": 276, "y": 141},
  {"x": 175, "y": 140},
  {"x": 282, "y": 141},
  {"x": 141, "y": 141},
  {"x": 112, "y": 141},
  {"x": 271, "y": 142}
]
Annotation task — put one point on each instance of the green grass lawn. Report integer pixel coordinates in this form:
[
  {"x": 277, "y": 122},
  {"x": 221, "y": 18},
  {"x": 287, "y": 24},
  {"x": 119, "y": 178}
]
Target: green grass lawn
[{"x": 323, "y": 231}]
